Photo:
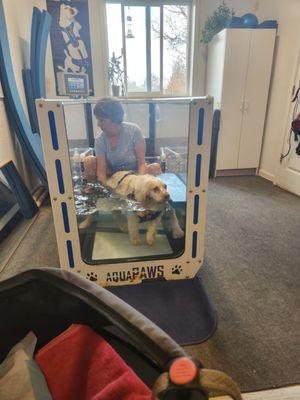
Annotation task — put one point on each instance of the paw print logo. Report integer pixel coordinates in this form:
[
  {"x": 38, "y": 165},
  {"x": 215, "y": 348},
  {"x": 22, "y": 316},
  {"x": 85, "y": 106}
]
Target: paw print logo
[
  {"x": 177, "y": 270},
  {"x": 92, "y": 277}
]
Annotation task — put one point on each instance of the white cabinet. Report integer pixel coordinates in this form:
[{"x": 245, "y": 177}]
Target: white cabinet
[{"x": 239, "y": 69}]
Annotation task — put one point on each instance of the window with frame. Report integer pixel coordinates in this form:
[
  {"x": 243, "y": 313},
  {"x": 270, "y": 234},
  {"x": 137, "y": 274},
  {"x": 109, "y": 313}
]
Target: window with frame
[{"x": 149, "y": 47}]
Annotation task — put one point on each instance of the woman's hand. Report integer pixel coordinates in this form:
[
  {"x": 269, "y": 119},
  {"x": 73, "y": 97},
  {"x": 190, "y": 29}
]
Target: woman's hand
[
  {"x": 143, "y": 168},
  {"x": 90, "y": 167},
  {"x": 95, "y": 168},
  {"x": 153, "y": 169}
]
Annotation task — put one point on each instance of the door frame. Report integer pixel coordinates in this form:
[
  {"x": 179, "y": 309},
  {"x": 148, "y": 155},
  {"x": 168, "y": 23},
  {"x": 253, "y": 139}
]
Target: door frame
[{"x": 281, "y": 167}]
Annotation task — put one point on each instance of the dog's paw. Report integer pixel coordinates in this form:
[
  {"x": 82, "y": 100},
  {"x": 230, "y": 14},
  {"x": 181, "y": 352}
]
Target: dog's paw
[
  {"x": 136, "y": 241},
  {"x": 177, "y": 233},
  {"x": 123, "y": 228},
  {"x": 150, "y": 240}
]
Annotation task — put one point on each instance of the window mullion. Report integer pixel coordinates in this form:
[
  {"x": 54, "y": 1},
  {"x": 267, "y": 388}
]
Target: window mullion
[
  {"x": 188, "y": 52},
  {"x": 124, "y": 49},
  {"x": 148, "y": 48},
  {"x": 161, "y": 49}
]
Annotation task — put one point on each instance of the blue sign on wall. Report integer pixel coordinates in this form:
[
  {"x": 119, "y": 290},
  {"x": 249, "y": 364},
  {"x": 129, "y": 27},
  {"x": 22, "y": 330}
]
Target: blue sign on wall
[{"x": 70, "y": 38}]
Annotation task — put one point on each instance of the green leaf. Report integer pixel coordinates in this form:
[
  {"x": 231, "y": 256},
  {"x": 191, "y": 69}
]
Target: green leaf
[{"x": 215, "y": 23}]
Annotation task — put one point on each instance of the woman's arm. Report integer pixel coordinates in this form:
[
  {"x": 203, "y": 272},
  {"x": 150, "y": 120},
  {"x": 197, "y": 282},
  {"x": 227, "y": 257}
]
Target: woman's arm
[
  {"x": 101, "y": 169},
  {"x": 140, "y": 150}
]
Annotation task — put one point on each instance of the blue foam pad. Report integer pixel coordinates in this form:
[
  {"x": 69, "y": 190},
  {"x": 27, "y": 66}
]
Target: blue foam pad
[
  {"x": 34, "y": 78},
  {"x": 36, "y": 144},
  {"x": 40, "y": 53},
  {"x": 35, "y": 22},
  {"x": 176, "y": 188},
  {"x": 30, "y": 142},
  {"x": 30, "y": 99},
  {"x": 272, "y": 24}
]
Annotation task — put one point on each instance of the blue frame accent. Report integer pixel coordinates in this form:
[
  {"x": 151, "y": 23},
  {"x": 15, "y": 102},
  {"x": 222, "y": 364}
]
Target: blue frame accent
[
  {"x": 64, "y": 209},
  {"x": 53, "y": 130},
  {"x": 60, "y": 178},
  {"x": 70, "y": 253},
  {"x": 200, "y": 126},
  {"x": 198, "y": 170},
  {"x": 31, "y": 143},
  {"x": 196, "y": 209},
  {"x": 194, "y": 244}
]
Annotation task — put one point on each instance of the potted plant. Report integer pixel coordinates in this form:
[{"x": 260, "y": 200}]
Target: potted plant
[
  {"x": 216, "y": 22},
  {"x": 116, "y": 74}
]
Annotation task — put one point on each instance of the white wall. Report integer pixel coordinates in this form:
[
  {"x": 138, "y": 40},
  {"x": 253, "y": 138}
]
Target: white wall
[
  {"x": 18, "y": 20},
  {"x": 99, "y": 46},
  {"x": 287, "y": 13}
]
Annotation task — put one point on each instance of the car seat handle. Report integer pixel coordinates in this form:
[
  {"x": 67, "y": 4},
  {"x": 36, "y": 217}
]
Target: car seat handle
[{"x": 187, "y": 380}]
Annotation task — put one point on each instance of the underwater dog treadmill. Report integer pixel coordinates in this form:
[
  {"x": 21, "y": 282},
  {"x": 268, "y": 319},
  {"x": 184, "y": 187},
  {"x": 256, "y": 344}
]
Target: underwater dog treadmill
[{"x": 90, "y": 241}]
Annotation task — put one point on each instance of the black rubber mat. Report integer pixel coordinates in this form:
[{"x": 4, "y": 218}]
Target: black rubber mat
[{"x": 181, "y": 308}]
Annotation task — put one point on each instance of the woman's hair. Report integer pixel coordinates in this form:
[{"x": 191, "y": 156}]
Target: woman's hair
[{"x": 109, "y": 107}]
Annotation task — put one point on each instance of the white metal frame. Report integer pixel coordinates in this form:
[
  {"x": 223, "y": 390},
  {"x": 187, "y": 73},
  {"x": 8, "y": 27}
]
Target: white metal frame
[{"x": 56, "y": 151}]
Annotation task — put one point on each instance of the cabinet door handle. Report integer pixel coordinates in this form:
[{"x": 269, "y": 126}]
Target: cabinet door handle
[
  {"x": 246, "y": 106},
  {"x": 242, "y": 108}
]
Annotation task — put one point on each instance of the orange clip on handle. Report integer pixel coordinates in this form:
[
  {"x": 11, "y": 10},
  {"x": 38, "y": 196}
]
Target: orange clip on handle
[{"x": 182, "y": 371}]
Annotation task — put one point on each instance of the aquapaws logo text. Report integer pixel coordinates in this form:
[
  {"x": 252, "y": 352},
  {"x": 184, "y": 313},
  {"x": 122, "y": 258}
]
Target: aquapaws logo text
[{"x": 136, "y": 273}]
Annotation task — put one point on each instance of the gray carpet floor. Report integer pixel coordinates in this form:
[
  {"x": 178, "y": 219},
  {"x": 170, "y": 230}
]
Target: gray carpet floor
[
  {"x": 38, "y": 247},
  {"x": 251, "y": 273}
]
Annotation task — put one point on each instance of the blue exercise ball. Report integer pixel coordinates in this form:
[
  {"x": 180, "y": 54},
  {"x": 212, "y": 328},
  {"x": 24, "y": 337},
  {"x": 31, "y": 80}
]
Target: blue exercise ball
[{"x": 250, "y": 20}]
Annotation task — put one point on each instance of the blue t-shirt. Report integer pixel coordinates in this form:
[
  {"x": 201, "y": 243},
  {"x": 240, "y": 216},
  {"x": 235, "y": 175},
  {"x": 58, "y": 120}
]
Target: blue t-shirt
[{"x": 123, "y": 157}]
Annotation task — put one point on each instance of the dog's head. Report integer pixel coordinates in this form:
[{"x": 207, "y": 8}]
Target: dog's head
[
  {"x": 67, "y": 13},
  {"x": 152, "y": 189}
]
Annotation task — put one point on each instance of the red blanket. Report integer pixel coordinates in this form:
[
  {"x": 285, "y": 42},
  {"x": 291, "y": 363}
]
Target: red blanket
[{"x": 80, "y": 365}]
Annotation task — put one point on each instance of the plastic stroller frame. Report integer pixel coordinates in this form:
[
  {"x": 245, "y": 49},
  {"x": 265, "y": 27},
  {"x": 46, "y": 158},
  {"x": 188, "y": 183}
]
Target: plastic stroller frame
[{"x": 47, "y": 300}]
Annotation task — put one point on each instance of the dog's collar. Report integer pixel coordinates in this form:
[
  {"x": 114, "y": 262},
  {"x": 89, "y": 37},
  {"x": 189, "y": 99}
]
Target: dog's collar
[
  {"x": 149, "y": 216},
  {"x": 125, "y": 176}
]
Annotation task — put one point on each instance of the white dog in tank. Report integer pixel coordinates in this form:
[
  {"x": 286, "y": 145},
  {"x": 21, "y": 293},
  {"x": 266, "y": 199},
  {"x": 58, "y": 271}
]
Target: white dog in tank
[{"x": 151, "y": 192}]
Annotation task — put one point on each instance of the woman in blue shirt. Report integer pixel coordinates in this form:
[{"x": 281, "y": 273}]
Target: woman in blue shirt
[{"x": 120, "y": 146}]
